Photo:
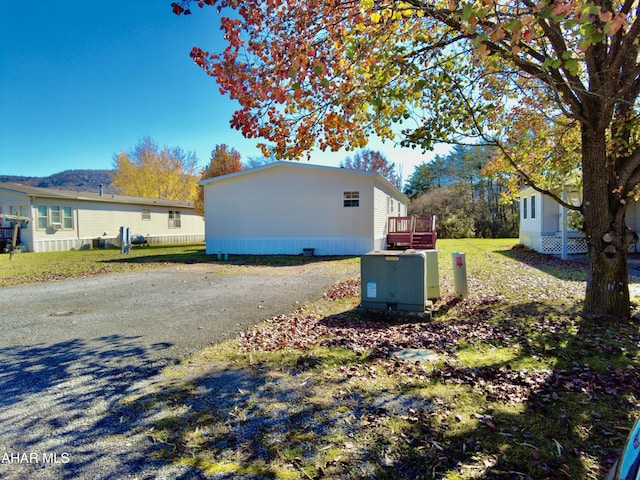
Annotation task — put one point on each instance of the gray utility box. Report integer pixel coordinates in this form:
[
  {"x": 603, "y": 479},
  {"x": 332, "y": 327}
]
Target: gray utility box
[{"x": 402, "y": 281}]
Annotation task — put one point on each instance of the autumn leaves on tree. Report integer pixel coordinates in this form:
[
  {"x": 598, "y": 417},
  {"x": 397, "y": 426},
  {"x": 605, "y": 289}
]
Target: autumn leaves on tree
[
  {"x": 169, "y": 172},
  {"x": 223, "y": 160},
  {"x": 153, "y": 172}
]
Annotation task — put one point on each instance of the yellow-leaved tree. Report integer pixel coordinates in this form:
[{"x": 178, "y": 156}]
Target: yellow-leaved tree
[{"x": 153, "y": 172}]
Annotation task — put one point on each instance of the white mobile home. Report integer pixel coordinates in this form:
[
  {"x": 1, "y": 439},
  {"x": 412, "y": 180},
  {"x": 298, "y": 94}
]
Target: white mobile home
[
  {"x": 544, "y": 228},
  {"x": 69, "y": 220},
  {"x": 290, "y": 208}
]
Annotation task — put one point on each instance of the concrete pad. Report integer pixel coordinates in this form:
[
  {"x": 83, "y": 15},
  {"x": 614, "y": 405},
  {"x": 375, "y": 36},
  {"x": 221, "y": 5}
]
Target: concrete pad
[{"x": 415, "y": 355}]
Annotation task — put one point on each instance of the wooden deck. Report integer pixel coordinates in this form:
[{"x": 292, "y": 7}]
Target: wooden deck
[
  {"x": 418, "y": 233},
  {"x": 6, "y": 238}
]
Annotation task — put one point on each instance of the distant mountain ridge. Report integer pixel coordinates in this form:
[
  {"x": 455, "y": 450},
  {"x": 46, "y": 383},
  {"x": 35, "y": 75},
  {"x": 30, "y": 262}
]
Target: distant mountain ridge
[{"x": 81, "y": 180}]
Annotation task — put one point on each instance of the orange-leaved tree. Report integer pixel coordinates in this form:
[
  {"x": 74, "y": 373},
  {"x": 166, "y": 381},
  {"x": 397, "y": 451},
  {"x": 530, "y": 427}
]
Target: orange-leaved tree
[
  {"x": 330, "y": 73},
  {"x": 223, "y": 160}
]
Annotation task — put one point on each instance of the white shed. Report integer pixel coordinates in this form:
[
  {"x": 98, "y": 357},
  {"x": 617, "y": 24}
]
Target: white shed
[
  {"x": 69, "y": 220},
  {"x": 287, "y": 207}
]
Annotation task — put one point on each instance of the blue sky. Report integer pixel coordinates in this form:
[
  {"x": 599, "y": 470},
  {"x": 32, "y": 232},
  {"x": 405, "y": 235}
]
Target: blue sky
[{"x": 80, "y": 81}]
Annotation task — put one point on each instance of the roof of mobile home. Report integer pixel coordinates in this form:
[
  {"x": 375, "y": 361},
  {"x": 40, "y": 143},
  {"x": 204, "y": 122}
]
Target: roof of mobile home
[
  {"x": 91, "y": 196},
  {"x": 296, "y": 165}
]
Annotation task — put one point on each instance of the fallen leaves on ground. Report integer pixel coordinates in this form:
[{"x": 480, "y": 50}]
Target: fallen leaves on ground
[
  {"x": 555, "y": 364},
  {"x": 303, "y": 331},
  {"x": 346, "y": 289},
  {"x": 300, "y": 330}
]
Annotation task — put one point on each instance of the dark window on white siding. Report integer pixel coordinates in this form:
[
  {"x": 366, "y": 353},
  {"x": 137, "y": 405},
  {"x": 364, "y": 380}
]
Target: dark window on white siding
[
  {"x": 533, "y": 206},
  {"x": 351, "y": 199},
  {"x": 524, "y": 208}
]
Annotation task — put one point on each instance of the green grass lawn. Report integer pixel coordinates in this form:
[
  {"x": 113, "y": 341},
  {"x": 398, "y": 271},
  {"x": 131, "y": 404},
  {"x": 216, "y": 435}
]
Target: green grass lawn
[
  {"x": 29, "y": 267},
  {"x": 524, "y": 387}
]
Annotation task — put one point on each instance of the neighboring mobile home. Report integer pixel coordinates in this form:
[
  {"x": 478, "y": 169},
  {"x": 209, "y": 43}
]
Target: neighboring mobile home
[
  {"x": 544, "y": 228},
  {"x": 69, "y": 220},
  {"x": 294, "y": 208}
]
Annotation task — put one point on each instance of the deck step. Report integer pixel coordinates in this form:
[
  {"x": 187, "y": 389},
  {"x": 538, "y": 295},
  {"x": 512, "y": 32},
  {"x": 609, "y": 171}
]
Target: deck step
[{"x": 422, "y": 241}]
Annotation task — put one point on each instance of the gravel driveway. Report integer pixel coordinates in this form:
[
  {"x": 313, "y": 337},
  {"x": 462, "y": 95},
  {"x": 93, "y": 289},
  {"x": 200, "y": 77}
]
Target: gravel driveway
[{"x": 70, "y": 350}]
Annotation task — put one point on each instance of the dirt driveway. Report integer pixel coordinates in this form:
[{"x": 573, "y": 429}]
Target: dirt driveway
[{"x": 70, "y": 350}]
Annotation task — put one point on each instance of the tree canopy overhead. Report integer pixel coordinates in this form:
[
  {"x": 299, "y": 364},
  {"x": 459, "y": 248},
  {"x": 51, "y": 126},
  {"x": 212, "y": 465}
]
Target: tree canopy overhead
[{"x": 554, "y": 84}]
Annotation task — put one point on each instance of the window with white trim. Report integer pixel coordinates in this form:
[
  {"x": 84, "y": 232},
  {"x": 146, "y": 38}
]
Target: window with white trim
[
  {"x": 54, "y": 215},
  {"x": 146, "y": 214},
  {"x": 42, "y": 219},
  {"x": 20, "y": 210},
  {"x": 67, "y": 218},
  {"x": 351, "y": 199},
  {"x": 174, "y": 219}
]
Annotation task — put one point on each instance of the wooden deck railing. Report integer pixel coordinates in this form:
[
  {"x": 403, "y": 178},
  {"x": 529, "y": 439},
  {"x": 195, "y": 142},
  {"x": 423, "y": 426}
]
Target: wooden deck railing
[
  {"x": 411, "y": 232},
  {"x": 6, "y": 233},
  {"x": 6, "y": 237}
]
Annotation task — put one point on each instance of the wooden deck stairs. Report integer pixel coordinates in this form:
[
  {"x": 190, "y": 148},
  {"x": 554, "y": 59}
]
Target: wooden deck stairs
[{"x": 418, "y": 233}]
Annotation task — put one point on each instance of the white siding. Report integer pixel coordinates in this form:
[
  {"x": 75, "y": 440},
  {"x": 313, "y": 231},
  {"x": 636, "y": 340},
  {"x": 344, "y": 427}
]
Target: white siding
[
  {"x": 285, "y": 207},
  {"x": 284, "y": 210},
  {"x": 61, "y": 238},
  {"x": 382, "y": 211},
  {"x": 530, "y": 228},
  {"x": 10, "y": 199},
  {"x": 99, "y": 222},
  {"x": 386, "y": 205},
  {"x": 97, "y": 218},
  {"x": 290, "y": 245}
]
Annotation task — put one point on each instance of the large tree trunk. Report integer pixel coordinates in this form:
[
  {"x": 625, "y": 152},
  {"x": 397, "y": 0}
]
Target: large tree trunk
[{"x": 607, "y": 293}]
